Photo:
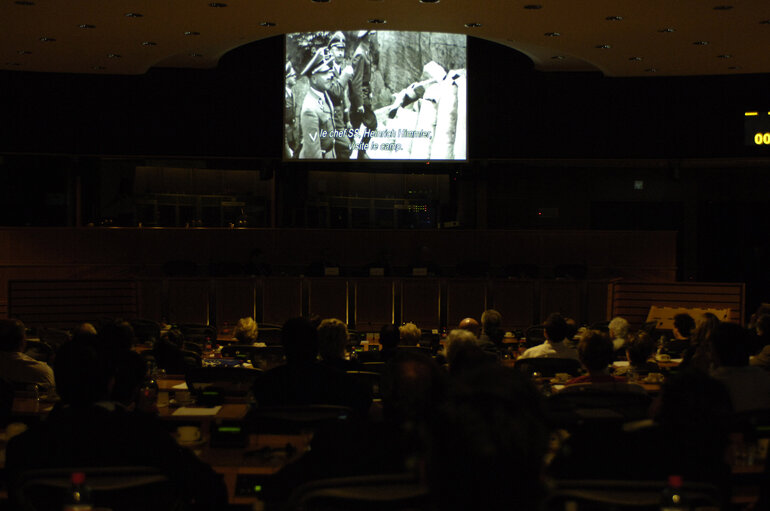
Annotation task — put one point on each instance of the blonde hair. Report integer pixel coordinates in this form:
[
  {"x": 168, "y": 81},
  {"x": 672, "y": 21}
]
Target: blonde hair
[
  {"x": 246, "y": 330},
  {"x": 332, "y": 338},
  {"x": 410, "y": 334}
]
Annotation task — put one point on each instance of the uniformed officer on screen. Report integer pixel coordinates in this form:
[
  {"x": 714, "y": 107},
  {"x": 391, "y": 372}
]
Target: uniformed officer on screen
[
  {"x": 317, "y": 113},
  {"x": 290, "y": 137},
  {"x": 360, "y": 88},
  {"x": 338, "y": 92}
]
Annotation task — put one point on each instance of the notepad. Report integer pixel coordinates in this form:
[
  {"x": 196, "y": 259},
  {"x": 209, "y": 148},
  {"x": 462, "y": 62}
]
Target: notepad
[{"x": 196, "y": 411}]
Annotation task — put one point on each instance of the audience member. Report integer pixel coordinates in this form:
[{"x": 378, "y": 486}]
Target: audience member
[
  {"x": 761, "y": 349},
  {"x": 556, "y": 330},
  {"x": 618, "y": 331},
  {"x": 488, "y": 444},
  {"x": 700, "y": 353},
  {"x": 246, "y": 331},
  {"x": 470, "y": 325},
  {"x": 15, "y": 366},
  {"x": 410, "y": 335},
  {"x": 595, "y": 353},
  {"x": 455, "y": 341},
  {"x": 491, "y": 332},
  {"x": 682, "y": 332},
  {"x": 171, "y": 356},
  {"x": 640, "y": 352},
  {"x": 87, "y": 429},
  {"x": 390, "y": 336},
  {"x": 303, "y": 380},
  {"x": 332, "y": 342},
  {"x": 749, "y": 386}
]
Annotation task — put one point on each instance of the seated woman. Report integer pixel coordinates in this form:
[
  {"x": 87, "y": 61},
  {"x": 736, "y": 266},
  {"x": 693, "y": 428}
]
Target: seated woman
[
  {"x": 595, "y": 353},
  {"x": 170, "y": 355},
  {"x": 246, "y": 331},
  {"x": 332, "y": 342}
]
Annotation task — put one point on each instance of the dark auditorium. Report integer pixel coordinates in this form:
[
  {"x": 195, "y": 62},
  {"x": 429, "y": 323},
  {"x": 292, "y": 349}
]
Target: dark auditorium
[{"x": 484, "y": 255}]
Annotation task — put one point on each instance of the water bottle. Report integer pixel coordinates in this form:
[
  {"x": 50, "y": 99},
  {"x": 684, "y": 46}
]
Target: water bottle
[
  {"x": 79, "y": 498},
  {"x": 672, "y": 497}
]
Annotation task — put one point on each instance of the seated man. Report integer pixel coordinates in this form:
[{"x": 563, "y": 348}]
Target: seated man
[
  {"x": 595, "y": 352},
  {"x": 640, "y": 350},
  {"x": 88, "y": 430},
  {"x": 618, "y": 332},
  {"x": 749, "y": 386},
  {"x": 682, "y": 331},
  {"x": 303, "y": 380},
  {"x": 15, "y": 366},
  {"x": 491, "y": 332},
  {"x": 556, "y": 331}
]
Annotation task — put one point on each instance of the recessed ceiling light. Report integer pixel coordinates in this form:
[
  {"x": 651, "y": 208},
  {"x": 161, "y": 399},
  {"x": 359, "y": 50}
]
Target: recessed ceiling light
[
  {"x": 133, "y": 15},
  {"x": 192, "y": 33},
  {"x": 15, "y": 64},
  {"x": 635, "y": 59},
  {"x": 23, "y": 2},
  {"x": 321, "y": 1},
  {"x": 558, "y": 57},
  {"x": 473, "y": 25},
  {"x": 86, "y": 25},
  {"x": 196, "y": 54},
  {"x": 667, "y": 30},
  {"x": 723, "y": 7},
  {"x": 24, "y": 52},
  {"x": 701, "y": 43},
  {"x": 217, "y": 4},
  {"x": 603, "y": 46},
  {"x": 733, "y": 68},
  {"x": 651, "y": 70},
  {"x": 533, "y": 7},
  {"x": 267, "y": 24},
  {"x": 764, "y": 22},
  {"x": 552, "y": 34},
  {"x": 113, "y": 56},
  {"x": 429, "y": 1},
  {"x": 99, "y": 68},
  {"x": 149, "y": 43},
  {"x": 725, "y": 56},
  {"x": 614, "y": 18},
  {"x": 47, "y": 39}
]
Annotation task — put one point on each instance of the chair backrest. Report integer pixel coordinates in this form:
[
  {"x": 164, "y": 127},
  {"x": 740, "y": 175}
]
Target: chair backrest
[
  {"x": 116, "y": 488},
  {"x": 618, "y": 495},
  {"x": 230, "y": 381},
  {"x": 622, "y": 401},
  {"x": 374, "y": 367},
  {"x": 416, "y": 349},
  {"x": 297, "y": 418},
  {"x": 7, "y": 390},
  {"x": 371, "y": 379},
  {"x": 547, "y": 366},
  {"x": 379, "y": 492}
]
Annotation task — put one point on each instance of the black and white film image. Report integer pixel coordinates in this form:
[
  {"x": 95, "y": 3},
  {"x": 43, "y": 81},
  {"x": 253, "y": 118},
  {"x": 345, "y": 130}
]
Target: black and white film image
[{"x": 379, "y": 95}]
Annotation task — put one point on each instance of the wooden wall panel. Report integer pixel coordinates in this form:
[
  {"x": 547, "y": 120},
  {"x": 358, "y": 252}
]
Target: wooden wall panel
[
  {"x": 565, "y": 297},
  {"x": 188, "y": 301},
  {"x": 234, "y": 299},
  {"x": 515, "y": 301},
  {"x": 373, "y": 304},
  {"x": 420, "y": 302},
  {"x": 281, "y": 299},
  {"x": 328, "y": 298},
  {"x": 151, "y": 300},
  {"x": 66, "y": 303},
  {"x": 465, "y": 298},
  {"x": 632, "y": 300}
]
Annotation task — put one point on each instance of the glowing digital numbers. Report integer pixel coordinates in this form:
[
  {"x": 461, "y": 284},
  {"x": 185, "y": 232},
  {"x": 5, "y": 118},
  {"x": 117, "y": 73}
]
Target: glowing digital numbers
[{"x": 762, "y": 139}]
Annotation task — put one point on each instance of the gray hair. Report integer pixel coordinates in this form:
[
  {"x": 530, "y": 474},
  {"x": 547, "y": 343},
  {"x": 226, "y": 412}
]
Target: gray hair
[{"x": 619, "y": 327}]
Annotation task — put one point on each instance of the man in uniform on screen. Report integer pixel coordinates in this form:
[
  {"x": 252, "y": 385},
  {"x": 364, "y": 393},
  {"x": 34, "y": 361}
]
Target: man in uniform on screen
[
  {"x": 360, "y": 89},
  {"x": 317, "y": 114},
  {"x": 339, "y": 95},
  {"x": 290, "y": 141}
]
